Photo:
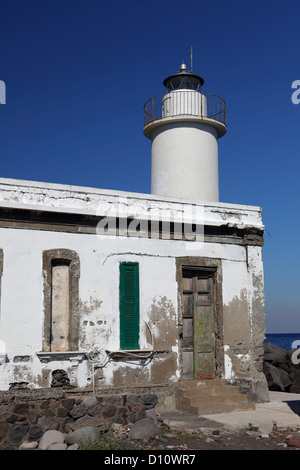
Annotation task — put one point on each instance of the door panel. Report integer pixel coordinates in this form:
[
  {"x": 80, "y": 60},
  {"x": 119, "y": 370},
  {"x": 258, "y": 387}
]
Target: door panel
[
  {"x": 204, "y": 343},
  {"x": 188, "y": 304},
  {"x": 187, "y": 283},
  {"x": 198, "y": 339},
  {"x": 203, "y": 285}
]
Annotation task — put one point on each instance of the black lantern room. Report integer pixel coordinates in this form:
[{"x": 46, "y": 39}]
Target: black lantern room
[{"x": 183, "y": 80}]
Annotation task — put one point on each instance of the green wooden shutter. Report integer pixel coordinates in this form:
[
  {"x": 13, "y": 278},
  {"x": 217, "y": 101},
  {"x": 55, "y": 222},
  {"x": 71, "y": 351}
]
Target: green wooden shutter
[{"x": 129, "y": 306}]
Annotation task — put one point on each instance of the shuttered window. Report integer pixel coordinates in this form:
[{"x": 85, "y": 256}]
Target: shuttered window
[{"x": 129, "y": 306}]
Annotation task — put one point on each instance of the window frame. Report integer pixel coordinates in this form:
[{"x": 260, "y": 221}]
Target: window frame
[{"x": 71, "y": 257}]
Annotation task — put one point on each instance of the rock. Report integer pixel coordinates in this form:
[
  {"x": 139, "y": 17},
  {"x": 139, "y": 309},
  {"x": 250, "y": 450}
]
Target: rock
[
  {"x": 280, "y": 369},
  {"x": 152, "y": 415},
  {"x": 35, "y": 434},
  {"x": 266, "y": 428},
  {"x": 48, "y": 423},
  {"x": 283, "y": 444},
  {"x": 83, "y": 435},
  {"x": 95, "y": 410},
  {"x": 261, "y": 393},
  {"x": 144, "y": 429},
  {"x": 97, "y": 421},
  {"x": 253, "y": 433},
  {"x": 141, "y": 415},
  {"x": 73, "y": 447},
  {"x": 58, "y": 446},
  {"x": 51, "y": 437},
  {"x": 180, "y": 430},
  {"x": 12, "y": 419},
  {"x": 18, "y": 432},
  {"x": 21, "y": 409},
  {"x": 62, "y": 412},
  {"x": 3, "y": 429},
  {"x": 45, "y": 404},
  {"x": 274, "y": 354},
  {"x": 4, "y": 409},
  {"x": 28, "y": 445},
  {"x": 132, "y": 399},
  {"x": 33, "y": 417},
  {"x": 68, "y": 403},
  {"x": 116, "y": 400},
  {"x": 110, "y": 411},
  {"x": 78, "y": 412},
  {"x": 90, "y": 401},
  {"x": 295, "y": 387},
  {"x": 278, "y": 379},
  {"x": 294, "y": 442},
  {"x": 149, "y": 400},
  {"x": 60, "y": 378}
]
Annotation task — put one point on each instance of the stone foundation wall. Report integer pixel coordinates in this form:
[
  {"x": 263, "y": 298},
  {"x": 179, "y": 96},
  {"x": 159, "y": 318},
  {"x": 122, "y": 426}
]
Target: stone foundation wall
[{"x": 26, "y": 416}]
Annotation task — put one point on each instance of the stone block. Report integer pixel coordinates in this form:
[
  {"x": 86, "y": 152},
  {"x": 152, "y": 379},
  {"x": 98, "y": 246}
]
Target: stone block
[
  {"x": 49, "y": 438},
  {"x": 83, "y": 435},
  {"x": 144, "y": 429},
  {"x": 18, "y": 432}
]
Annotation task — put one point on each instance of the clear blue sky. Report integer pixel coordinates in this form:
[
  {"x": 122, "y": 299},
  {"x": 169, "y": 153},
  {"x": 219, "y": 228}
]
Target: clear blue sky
[{"x": 78, "y": 72}]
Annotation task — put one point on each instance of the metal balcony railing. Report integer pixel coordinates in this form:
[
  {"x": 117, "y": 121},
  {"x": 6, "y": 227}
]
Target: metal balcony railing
[{"x": 185, "y": 103}]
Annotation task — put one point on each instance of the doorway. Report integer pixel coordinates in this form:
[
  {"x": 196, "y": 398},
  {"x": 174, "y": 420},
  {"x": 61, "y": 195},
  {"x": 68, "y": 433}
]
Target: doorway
[{"x": 198, "y": 323}]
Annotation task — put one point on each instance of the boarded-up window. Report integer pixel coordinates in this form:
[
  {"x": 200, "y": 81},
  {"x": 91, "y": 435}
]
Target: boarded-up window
[
  {"x": 129, "y": 306},
  {"x": 60, "y": 305},
  {"x": 61, "y": 269}
]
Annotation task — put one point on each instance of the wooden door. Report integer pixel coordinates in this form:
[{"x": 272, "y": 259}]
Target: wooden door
[{"x": 198, "y": 339}]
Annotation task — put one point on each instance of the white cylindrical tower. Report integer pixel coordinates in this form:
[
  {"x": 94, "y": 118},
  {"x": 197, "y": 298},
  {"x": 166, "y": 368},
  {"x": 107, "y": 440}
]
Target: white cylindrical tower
[{"x": 184, "y": 125}]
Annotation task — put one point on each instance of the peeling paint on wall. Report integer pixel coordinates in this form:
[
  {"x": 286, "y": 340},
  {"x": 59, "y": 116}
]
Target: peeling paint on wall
[
  {"x": 237, "y": 323},
  {"x": 87, "y": 307},
  {"x": 163, "y": 324},
  {"x": 162, "y": 321}
]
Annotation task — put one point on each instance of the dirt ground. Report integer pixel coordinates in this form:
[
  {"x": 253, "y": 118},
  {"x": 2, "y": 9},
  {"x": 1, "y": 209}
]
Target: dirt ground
[{"x": 223, "y": 440}]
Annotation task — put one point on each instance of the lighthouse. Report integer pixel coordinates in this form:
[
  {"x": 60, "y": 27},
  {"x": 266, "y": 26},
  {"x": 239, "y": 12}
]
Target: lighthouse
[{"x": 184, "y": 125}]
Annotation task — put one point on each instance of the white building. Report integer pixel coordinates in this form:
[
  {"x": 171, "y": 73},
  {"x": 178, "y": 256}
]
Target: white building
[{"x": 114, "y": 289}]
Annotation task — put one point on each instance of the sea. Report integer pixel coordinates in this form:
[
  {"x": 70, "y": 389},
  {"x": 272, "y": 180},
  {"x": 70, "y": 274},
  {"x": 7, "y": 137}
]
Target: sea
[{"x": 283, "y": 340}]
